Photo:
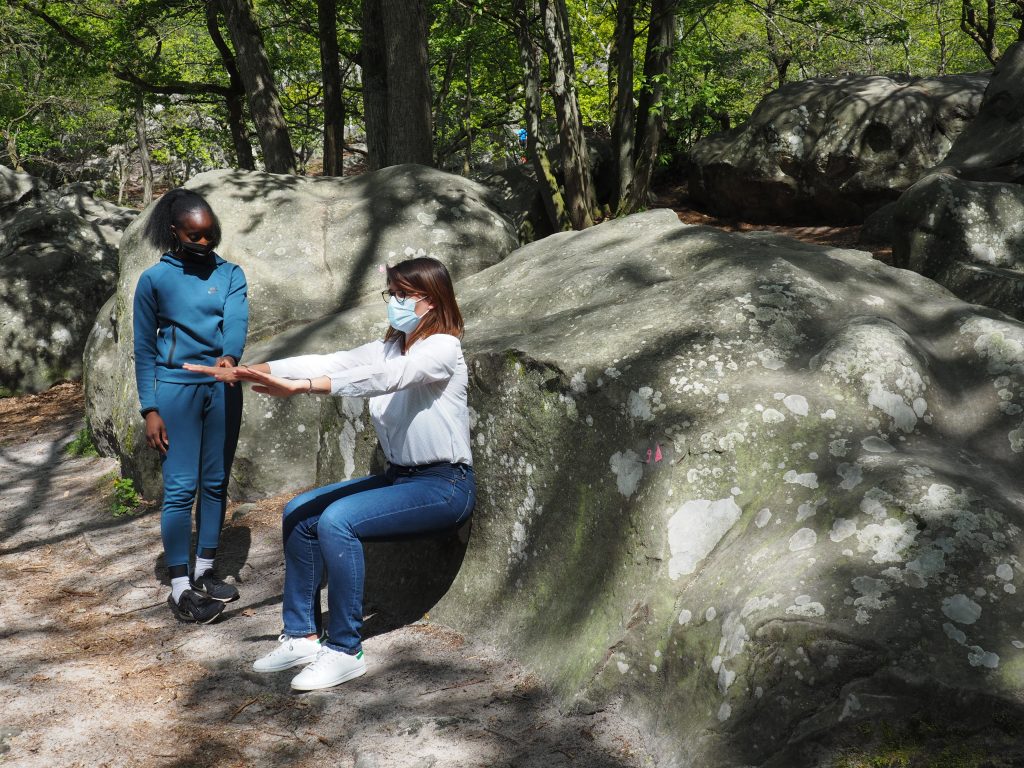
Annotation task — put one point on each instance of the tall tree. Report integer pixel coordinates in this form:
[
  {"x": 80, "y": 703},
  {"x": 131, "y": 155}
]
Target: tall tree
[
  {"x": 260, "y": 87},
  {"x": 234, "y": 99},
  {"x": 396, "y": 83},
  {"x": 579, "y": 188},
  {"x": 334, "y": 104},
  {"x": 621, "y": 102},
  {"x": 525, "y": 14},
  {"x": 140, "y": 135},
  {"x": 650, "y": 124}
]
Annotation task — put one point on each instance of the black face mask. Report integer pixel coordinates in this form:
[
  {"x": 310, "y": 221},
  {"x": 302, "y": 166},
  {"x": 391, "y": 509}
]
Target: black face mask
[{"x": 195, "y": 251}]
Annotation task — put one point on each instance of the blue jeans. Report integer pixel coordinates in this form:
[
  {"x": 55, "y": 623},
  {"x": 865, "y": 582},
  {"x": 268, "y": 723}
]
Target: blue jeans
[
  {"x": 324, "y": 528},
  {"x": 202, "y": 423}
]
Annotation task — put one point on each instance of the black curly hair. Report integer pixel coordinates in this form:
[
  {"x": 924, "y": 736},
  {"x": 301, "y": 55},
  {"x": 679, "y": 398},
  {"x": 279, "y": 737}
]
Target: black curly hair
[{"x": 173, "y": 208}]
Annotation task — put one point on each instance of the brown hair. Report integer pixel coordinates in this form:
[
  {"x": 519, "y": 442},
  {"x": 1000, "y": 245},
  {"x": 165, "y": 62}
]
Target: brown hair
[{"x": 427, "y": 277}]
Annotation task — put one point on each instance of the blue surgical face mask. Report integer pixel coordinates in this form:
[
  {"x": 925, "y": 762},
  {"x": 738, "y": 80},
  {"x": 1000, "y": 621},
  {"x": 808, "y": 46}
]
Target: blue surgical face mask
[{"x": 402, "y": 314}]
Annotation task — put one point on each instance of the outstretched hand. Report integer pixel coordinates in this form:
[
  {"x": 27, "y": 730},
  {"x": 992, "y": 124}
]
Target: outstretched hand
[
  {"x": 264, "y": 383},
  {"x": 227, "y": 373}
]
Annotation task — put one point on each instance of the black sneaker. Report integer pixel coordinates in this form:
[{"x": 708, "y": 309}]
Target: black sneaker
[
  {"x": 215, "y": 588},
  {"x": 193, "y": 607}
]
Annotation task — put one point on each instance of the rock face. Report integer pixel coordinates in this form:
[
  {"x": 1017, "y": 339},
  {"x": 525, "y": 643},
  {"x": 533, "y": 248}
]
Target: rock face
[
  {"x": 963, "y": 225},
  {"x": 516, "y": 194},
  {"x": 833, "y": 150},
  {"x": 966, "y": 235},
  {"x": 309, "y": 246},
  {"x": 767, "y": 492},
  {"x": 58, "y": 264}
]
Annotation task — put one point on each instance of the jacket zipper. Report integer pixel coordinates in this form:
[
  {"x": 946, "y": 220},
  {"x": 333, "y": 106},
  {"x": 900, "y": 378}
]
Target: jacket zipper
[{"x": 174, "y": 340}]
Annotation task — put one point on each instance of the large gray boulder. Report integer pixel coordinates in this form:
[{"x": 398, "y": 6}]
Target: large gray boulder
[
  {"x": 833, "y": 150},
  {"x": 991, "y": 147},
  {"x": 309, "y": 247},
  {"x": 963, "y": 224},
  {"x": 767, "y": 492},
  {"x": 16, "y": 187},
  {"x": 966, "y": 235},
  {"x": 57, "y": 267}
]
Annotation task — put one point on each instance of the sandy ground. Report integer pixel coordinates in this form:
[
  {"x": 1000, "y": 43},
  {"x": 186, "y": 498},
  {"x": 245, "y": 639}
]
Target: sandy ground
[{"x": 95, "y": 671}]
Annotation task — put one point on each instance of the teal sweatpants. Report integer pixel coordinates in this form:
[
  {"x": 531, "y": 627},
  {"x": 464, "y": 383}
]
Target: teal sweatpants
[{"x": 202, "y": 423}]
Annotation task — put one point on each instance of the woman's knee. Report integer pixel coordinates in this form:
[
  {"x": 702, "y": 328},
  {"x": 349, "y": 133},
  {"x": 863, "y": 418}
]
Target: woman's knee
[{"x": 337, "y": 522}]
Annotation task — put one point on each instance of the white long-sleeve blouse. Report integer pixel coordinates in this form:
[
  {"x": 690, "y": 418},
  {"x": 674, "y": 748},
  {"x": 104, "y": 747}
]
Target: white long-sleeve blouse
[{"x": 418, "y": 401}]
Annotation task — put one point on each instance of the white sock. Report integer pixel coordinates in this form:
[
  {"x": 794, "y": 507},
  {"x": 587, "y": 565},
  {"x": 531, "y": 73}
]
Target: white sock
[
  {"x": 203, "y": 564},
  {"x": 178, "y": 585}
]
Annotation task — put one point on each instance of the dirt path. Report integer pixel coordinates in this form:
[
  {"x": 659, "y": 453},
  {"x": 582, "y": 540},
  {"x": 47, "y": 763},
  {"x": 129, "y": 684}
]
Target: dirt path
[
  {"x": 96, "y": 672},
  {"x": 677, "y": 198}
]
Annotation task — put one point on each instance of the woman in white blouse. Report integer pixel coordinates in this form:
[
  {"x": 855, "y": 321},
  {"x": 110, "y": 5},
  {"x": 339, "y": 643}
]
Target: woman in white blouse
[{"x": 417, "y": 382}]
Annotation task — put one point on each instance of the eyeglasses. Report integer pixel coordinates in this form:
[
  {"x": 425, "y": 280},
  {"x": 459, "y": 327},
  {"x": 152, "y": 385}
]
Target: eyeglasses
[{"x": 400, "y": 295}]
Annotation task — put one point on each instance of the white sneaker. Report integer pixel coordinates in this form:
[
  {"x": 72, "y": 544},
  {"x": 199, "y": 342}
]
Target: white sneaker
[
  {"x": 330, "y": 668},
  {"x": 291, "y": 652}
]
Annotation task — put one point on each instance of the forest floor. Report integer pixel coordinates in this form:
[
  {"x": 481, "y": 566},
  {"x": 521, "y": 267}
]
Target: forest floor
[
  {"x": 676, "y": 198},
  {"x": 95, "y": 671}
]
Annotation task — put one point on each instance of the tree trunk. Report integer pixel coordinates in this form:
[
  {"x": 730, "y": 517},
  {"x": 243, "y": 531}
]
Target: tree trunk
[
  {"x": 780, "y": 61},
  {"x": 334, "y": 106},
  {"x": 536, "y": 147},
  {"x": 651, "y": 121},
  {"x": 579, "y": 195},
  {"x": 408, "y": 81},
  {"x": 140, "y": 135},
  {"x": 981, "y": 32},
  {"x": 467, "y": 111},
  {"x": 375, "y": 85},
  {"x": 239, "y": 136},
  {"x": 623, "y": 111},
  {"x": 258, "y": 79},
  {"x": 232, "y": 100}
]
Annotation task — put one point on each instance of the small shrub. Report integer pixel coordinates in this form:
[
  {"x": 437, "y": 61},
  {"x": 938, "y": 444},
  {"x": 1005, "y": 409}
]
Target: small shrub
[
  {"x": 126, "y": 499},
  {"x": 82, "y": 445}
]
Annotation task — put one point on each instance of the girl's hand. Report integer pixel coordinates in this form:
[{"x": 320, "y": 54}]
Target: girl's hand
[
  {"x": 156, "y": 432},
  {"x": 227, "y": 361},
  {"x": 224, "y": 370}
]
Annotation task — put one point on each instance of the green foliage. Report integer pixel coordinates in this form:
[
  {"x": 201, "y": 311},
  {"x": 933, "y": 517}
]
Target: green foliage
[
  {"x": 126, "y": 500},
  {"x": 82, "y": 445},
  {"x": 68, "y": 89}
]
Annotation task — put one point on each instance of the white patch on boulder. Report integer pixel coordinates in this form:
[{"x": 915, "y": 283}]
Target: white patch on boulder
[
  {"x": 806, "y": 479},
  {"x": 805, "y": 538},
  {"x": 805, "y": 607},
  {"x": 628, "y": 470},
  {"x": 888, "y": 540},
  {"x": 695, "y": 529},
  {"x": 763, "y": 516},
  {"x": 852, "y": 475},
  {"x": 954, "y": 634},
  {"x": 796, "y": 404},
  {"x": 979, "y": 657},
  {"x": 876, "y": 445},
  {"x": 842, "y": 528},
  {"x": 772, "y": 416},
  {"x": 684, "y": 617},
  {"x": 961, "y": 609}
]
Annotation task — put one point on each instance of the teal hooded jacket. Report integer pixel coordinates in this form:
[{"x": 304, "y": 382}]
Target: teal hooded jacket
[{"x": 187, "y": 311}]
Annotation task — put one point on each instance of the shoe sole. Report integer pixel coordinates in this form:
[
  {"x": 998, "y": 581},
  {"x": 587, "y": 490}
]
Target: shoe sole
[
  {"x": 185, "y": 619},
  {"x": 204, "y": 593},
  {"x": 343, "y": 679},
  {"x": 289, "y": 665},
  {"x": 218, "y": 599}
]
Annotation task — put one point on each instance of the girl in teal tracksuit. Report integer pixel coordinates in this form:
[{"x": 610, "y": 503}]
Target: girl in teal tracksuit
[{"x": 190, "y": 307}]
